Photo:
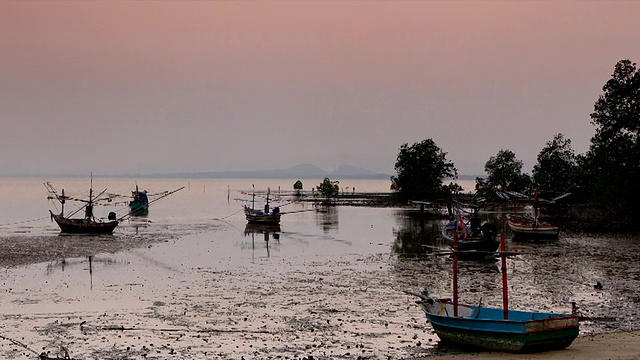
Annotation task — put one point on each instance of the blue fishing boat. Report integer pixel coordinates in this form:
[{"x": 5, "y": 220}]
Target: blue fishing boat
[
  {"x": 496, "y": 329},
  {"x": 477, "y": 326}
]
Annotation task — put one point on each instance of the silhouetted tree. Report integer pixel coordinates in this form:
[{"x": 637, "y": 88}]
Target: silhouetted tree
[
  {"x": 557, "y": 167},
  {"x": 420, "y": 170},
  {"x": 328, "y": 188},
  {"x": 504, "y": 173},
  {"x": 611, "y": 167},
  {"x": 297, "y": 186}
]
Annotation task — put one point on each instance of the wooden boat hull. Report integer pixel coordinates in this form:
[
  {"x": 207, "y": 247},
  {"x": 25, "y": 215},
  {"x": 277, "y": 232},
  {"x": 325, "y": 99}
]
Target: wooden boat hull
[
  {"x": 259, "y": 217},
  {"x": 485, "y": 328},
  {"x": 82, "y": 226},
  {"x": 472, "y": 243},
  {"x": 528, "y": 231},
  {"x": 487, "y": 243},
  {"x": 264, "y": 219}
]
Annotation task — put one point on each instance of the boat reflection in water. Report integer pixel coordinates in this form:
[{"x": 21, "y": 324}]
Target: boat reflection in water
[
  {"x": 416, "y": 235},
  {"x": 267, "y": 231},
  {"x": 85, "y": 263}
]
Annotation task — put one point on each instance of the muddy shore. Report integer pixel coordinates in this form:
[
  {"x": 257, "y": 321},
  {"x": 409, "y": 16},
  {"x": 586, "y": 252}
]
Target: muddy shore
[
  {"x": 611, "y": 346},
  {"x": 212, "y": 291}
]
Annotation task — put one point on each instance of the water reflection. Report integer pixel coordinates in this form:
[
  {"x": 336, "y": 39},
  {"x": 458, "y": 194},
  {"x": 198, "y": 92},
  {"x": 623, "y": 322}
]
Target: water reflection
[
  {"x": 85, "y": 264},
  {"x": 327, "y": 218},
  {"x": 416, "y": 235},
  {"x": 265, "y": 231}
]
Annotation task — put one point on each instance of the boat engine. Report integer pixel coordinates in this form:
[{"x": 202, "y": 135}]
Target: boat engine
[{"x": 489, "y": 231}]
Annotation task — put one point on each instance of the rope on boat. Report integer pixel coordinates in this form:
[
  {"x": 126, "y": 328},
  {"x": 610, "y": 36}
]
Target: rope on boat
[{"x": 228, "y": 216}]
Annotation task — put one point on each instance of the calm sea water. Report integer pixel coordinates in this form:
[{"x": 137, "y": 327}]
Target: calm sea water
[{"x": 24, "y": 200}]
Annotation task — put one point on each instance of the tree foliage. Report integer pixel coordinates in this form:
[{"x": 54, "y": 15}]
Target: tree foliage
[
  {"x": 420, "y": 170},
  {"x": 297, "y": 186},
  {"x": 328, "y": 188},
  {"x": 612, "y": 164},
  {"x": 504, "y": 173},
  {"x": 557, "y": 167}
]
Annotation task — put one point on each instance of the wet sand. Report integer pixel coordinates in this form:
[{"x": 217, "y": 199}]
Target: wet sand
[
  {"x": 175, "y": 295},
  {"x": 613, "y": 346}
]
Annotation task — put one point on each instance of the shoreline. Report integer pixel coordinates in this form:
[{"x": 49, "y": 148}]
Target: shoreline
[{"x": 613, "y": 346}]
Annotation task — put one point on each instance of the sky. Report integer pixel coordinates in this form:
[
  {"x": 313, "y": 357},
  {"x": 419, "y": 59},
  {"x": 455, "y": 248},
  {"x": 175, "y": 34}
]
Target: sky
[{"x": 147, "y": 87}]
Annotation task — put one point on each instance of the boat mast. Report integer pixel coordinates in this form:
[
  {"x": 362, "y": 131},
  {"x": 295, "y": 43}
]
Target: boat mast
[
  {"x": 455, "y": 273},
  {"x": 253, "y": 197},
  {"x": 88, "y": 213},
  {"x": 455, "y": 248},
  {"x": 535, "y": 209},
  {"x": 266, "y": 206},
  {"x": 505, "y": 288},
  {"x": 62, "y": 200}
]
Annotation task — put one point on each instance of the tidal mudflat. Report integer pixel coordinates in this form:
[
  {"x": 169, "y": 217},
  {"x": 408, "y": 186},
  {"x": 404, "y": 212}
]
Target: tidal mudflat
[{"x": 324, "y": 285}]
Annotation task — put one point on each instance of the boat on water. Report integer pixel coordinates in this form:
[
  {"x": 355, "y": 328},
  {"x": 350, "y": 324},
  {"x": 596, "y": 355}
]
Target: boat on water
[
  {"x": 139, "y": 205},
  {"x": 264, "y": 216},
  {"x": 497, "y": 329},
  {"x": 88, "y": 224}
]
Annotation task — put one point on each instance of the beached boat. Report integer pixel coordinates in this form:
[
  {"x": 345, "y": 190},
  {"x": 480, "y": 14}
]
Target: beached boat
[
  {"x": 527, "y": 227},
  {"x": 88, "y": 224},
  {"x": 139, "y": 205},
  {"x": 481, "y": 238},
  {"x": 532, "y": 229},
  {"x": 477, "y": 326},
  {"x": 496, "y": 329},
  {"x": 266, "y": 216}
]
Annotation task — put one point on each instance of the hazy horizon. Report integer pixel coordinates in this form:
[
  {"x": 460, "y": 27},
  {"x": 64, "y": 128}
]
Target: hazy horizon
[{"x": 183, "y": 87}]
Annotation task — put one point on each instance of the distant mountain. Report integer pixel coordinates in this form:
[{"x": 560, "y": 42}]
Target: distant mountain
[
  {"x": 353, "y": 172},
  {"x": 301, "y": 171}
]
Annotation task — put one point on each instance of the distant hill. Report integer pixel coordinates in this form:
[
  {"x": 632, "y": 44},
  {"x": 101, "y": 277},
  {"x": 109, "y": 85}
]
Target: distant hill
[
  {"x": 301, "y": 171},
  {"x": 353, "y": 172}
]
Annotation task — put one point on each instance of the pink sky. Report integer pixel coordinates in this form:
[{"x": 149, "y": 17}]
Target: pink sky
[{"x": 145, "y": 87}]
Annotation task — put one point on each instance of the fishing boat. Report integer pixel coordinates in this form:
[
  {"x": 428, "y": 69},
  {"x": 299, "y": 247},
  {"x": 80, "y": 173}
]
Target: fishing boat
[
  {"x": 523, "y": 228},
  {"x": 527, "y": 227},
  {"x": 139, "y": 206},
  {"x": 266, "y": 216},
  {"x": 496, "y": 329},
  {"x": 88, "y": 224},
  {"x": 477, "y": 326},
  {"x": 471, "y": 237}
]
